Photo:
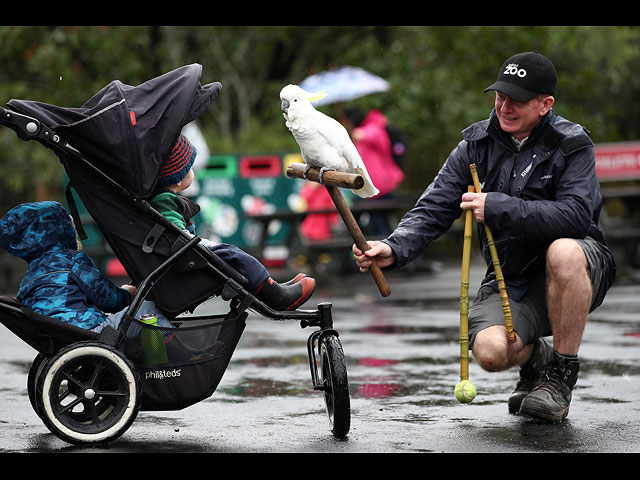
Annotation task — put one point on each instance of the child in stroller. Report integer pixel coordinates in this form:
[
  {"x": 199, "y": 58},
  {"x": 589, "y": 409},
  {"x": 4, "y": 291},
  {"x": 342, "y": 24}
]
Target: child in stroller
[
  {"x": 87, "y": 387},
  {"x": 177, "y": 175}
]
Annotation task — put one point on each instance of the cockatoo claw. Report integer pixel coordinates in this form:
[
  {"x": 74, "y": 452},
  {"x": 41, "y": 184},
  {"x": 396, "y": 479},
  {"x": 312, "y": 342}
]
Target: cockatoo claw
[{"x": 322, "y": 170}]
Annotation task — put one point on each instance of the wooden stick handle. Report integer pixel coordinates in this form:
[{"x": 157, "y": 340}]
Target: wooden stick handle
[
  {"x": 330, "y": 177},
  {"x": 358, "y": 237},
  {"x": 506, "y": 307},
  {"x": 464, "y": 294}
]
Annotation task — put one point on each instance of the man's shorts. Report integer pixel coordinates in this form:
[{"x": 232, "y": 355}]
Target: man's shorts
[{"x": 529, "y": 315}]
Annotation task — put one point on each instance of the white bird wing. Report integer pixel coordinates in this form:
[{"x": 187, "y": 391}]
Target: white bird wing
[{"x": 335, "y": 135}]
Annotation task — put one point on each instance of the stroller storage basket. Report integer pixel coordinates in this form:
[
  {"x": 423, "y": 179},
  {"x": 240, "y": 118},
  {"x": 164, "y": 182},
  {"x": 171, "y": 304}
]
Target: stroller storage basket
[{"x": 181, "y": 366}]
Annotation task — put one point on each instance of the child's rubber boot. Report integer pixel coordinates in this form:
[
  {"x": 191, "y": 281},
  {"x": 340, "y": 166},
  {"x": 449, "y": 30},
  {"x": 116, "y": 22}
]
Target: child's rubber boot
[{"x": 285, "y": 297}]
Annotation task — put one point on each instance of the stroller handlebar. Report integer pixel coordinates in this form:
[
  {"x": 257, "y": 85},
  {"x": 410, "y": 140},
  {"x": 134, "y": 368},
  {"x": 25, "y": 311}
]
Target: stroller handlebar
[
  {"x": 26, "y": 127},
  {"x": 29, "y": 128}
]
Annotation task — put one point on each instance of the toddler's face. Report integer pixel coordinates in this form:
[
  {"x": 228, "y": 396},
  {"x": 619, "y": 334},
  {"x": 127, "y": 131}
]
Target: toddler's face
[{"x": 185, "y": 182}]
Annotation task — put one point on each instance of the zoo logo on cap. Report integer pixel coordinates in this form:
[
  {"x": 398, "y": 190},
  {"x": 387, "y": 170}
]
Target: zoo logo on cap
[
  {"x": 512, "y": 69},
  {"x": 525, "y": 75}
]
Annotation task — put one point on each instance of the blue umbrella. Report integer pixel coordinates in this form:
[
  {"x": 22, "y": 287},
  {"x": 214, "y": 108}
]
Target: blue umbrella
[{"x": 344, "y": 84}]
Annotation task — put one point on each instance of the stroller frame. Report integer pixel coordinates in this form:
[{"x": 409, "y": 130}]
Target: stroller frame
[{"x": 63, "y": 348}]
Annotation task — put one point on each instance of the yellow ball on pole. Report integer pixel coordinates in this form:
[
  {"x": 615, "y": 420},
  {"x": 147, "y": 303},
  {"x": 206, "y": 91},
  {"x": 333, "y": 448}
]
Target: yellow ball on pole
[{"x": 465, "y": 392}]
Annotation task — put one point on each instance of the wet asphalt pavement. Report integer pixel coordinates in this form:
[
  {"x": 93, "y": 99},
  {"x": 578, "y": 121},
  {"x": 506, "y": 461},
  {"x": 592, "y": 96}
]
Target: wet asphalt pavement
[{"x": 403, "y": 363}]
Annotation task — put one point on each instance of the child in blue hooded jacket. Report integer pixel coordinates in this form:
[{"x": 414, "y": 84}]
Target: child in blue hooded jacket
[{"x": 62, "y": 281}]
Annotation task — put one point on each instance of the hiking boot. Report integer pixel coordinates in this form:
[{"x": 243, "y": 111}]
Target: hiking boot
[
  {"x": 531, "y": 373},
  {"x": 550, "y": 400}
]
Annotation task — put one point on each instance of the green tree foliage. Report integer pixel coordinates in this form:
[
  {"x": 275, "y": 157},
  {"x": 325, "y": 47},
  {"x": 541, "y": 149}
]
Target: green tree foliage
[{"x": 437, "y": 74}]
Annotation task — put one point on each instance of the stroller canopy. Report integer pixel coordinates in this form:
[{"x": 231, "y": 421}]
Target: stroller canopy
[{"x": 129, "y": 131}]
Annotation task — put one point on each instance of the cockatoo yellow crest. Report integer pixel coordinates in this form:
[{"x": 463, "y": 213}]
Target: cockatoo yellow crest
[
  {"x": 316, "y": 97},
  {"x": 323, "y": 141}
]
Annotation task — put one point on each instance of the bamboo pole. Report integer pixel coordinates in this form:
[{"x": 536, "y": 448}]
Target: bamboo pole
[
  {"x": 464, "y": 294},
  {"x": 332, "y": 180},
  {"x": 506, "y": 307}
]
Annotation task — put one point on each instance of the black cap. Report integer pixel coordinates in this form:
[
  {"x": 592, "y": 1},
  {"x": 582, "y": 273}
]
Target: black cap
[{"x": 525, "y": 75}]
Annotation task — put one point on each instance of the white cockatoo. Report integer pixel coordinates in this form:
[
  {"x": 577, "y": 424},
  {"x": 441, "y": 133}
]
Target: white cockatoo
[{"x": 324, "y": 142}]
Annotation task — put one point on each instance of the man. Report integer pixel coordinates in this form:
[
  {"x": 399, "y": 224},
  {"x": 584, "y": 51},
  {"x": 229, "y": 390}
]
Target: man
[{"x": 541, "y": 199}]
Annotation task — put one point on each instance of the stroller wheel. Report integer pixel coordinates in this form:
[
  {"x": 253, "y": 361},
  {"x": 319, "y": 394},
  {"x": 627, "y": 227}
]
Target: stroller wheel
[
  {"x": 32, "y": 379},
  {"x": 88, "y": 393},
  {"x": 333, "y": 373}
]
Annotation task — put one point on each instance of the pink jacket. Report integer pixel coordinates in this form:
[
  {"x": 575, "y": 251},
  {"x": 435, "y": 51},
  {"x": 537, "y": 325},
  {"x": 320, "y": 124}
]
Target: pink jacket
[{"x": 372, "y": 141}]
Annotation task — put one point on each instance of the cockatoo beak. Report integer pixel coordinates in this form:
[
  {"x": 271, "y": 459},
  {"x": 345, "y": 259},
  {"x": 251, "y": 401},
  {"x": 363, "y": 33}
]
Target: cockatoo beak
[{"x": 284, "y": 106}]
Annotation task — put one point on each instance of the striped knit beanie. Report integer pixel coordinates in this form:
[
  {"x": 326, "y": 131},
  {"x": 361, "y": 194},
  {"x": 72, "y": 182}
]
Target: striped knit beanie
[{"x": 179, "y": 163}]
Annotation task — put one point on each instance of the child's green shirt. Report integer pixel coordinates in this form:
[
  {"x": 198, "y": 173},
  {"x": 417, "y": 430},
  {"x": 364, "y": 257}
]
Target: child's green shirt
[{"x": 167, "y": 204}]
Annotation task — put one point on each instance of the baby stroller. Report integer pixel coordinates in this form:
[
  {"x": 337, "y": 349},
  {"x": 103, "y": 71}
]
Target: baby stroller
[{"x": 86, "y": 387}]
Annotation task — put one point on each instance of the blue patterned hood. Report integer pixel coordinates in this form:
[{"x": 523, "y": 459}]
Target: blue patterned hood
[{"x": 30, "y": 230}]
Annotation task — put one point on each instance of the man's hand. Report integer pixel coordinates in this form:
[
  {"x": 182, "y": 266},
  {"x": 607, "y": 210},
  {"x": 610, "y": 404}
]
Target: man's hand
[
  {"x": 475, "y": 202},
  {"x": 382, "y": 253}
]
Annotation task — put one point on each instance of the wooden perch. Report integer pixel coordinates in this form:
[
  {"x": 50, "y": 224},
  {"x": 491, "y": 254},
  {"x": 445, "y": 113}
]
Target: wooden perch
[
  {"x": 330, "y": 177},
  {"x": 332, "y": 180}
]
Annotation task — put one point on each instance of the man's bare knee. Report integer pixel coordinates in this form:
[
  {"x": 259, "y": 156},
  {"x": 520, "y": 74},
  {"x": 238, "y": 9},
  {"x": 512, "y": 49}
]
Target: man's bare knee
[
  {"x": 565, "y": 259},
  {"x": 490, "y": 349}
]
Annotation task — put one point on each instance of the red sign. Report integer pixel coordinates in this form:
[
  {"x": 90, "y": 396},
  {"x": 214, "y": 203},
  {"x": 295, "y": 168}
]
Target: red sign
[
  {"x": 618, "y": 161},
  {"x": 260, "y": 166}
]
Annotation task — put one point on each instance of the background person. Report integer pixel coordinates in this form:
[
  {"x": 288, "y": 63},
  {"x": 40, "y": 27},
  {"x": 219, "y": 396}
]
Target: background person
[{"x": 371, "y": 138}]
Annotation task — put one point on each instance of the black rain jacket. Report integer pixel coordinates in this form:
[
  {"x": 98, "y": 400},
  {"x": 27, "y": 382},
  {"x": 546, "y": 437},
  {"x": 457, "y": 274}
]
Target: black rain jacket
[{"x": 545, "y": 191}]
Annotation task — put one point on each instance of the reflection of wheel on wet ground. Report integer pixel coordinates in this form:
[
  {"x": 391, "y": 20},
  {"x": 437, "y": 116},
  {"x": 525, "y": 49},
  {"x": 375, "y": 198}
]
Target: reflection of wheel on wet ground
[
  {"x": 333, "y": 375},
  {"x": 88, "y": 393}
]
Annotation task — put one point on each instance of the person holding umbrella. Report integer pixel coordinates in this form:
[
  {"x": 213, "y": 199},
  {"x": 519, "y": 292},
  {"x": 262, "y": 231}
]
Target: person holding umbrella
[{"x": 541, "y": 198}]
